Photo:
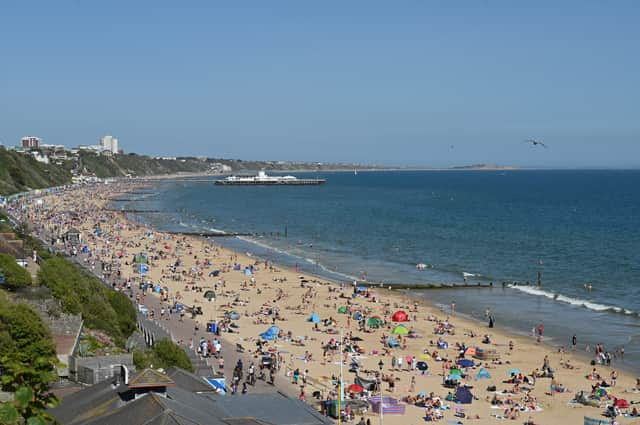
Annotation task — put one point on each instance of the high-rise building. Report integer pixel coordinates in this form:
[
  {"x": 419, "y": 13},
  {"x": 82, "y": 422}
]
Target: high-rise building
[
  {"x": 109, "y": 143},
  {"x": 30, "y": 142}
]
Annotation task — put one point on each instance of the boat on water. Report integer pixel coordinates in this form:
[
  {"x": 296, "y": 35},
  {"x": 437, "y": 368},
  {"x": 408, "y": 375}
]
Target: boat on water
[{"x": 263, "y": 179}]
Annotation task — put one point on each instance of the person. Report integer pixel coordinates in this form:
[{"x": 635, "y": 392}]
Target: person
[
  {"x": 574, "y": 342},
  {"x": 361, "y": 421},
  {"x": 491, "y": 321}
]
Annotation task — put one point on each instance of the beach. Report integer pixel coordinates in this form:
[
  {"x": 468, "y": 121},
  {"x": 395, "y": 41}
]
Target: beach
[{"x": 328, "y": 328}]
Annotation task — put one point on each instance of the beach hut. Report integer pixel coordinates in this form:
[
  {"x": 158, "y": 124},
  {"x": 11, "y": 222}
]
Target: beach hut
[
  {"x": 463, "y": 395},
  {"x": 400, "y": 316},
  {"x": 375, "y": 322},
  {"x": 483, "y": 374},
  {"x": 314, "y": 318},
  {"x": 400, "y": 330}
]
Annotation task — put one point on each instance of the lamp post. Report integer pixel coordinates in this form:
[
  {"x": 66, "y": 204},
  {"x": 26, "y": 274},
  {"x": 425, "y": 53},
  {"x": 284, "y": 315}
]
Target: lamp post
[{"x": 381, "y": 365}]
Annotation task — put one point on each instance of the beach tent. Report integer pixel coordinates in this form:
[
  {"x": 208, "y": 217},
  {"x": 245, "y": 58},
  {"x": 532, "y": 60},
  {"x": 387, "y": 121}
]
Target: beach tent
[
  {"x": 342, "y": 309},
  {"x": 234, "y": 315},
  {"x": 271, "y": 333},
  {"x": 141, "y": 258},
  {"x": 209, "y": 294},
  {"x": 463, "y": 395},
  {"x": 454, "y": 377},
  {"x": 143, "y": 269},
  {"x": 392, "y": 342},
  {"x": 471, "y": 351},
  {"x": 157, "y": 289},
  {"x": 357, "y": 315},
  {"x": 443, "y": 345},
  {"x": 362, "y": 288},
  {"x": 422, "y": 366},
  {"x": 483, "y": 374},
  {"x": 236, "y": 267},
  {"x": 621, "y": 403},
  {"x": 400, "y": 330},
  {"x": 465, "y": 363},
  {"x": 355, "y": 388},
  {"x": 455, "y": 371},
  {"x": 389, "y": 405},
  {"x": 314, "y": 318},
  {"x": 400, "y": 316},
  {"x": 514, "y": 371},
  {"x": 375, "y": 322},
  {"x": 247, "y": 272}
]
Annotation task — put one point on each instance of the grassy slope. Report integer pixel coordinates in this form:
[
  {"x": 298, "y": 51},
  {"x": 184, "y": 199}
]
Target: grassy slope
[{"x": 19, "y": 172}]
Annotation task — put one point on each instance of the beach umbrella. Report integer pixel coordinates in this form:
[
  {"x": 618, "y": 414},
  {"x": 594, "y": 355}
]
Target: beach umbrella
[
  {"x": 400, "y": 330},
  {"x": 454, "y": 378},
  {"x": 513, "y": 371},
  {"x": 471, "y": 351},
  {"x": 424, "y": 356},
  {"x": 209, "y": 295},
  {"x": 422, "y": 366},
  {"x": 355, "y": 388},
  {"x": 342, "y": 310}
]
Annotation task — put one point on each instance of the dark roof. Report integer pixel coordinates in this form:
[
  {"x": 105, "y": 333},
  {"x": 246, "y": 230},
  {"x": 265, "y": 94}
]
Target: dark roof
[
  {"x": 270, "y": 408},
  {"x": 151, "y": 378},
  {"x": 91, "y": 402},
  {"x": 154, "y": 409},
  {"x": 102, "y": 404},
  {"x": 189, "y": 381}
]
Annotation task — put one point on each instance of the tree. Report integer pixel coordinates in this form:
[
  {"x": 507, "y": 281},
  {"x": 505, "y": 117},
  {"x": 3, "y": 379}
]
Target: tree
[
  {"x": 27, "y": 359},
  {"x": 164, "y": 354},
  {"x": 15, "y": 275}
]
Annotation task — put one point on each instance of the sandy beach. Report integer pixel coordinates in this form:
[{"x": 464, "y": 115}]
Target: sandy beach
[{"x": 415, "y": 348}]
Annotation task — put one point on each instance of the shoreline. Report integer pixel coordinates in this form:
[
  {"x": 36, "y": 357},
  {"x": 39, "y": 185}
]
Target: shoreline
[{"x": 397, "y": 297}]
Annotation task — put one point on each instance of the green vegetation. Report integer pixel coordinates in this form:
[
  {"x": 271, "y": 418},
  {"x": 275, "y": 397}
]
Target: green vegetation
[
  {"x": 164, "y": 354},
  {"x": 137, "y": 165},
  {"x": 20, "y": 172},
  {"x": 82, "y": 293},
  {"x": 14, "y": 274},
  {"x": 28, "y": 359}
]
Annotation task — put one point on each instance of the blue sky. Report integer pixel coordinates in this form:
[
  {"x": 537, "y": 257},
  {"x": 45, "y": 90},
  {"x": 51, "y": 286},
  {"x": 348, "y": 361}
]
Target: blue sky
[{"x": 404, "y": 83}]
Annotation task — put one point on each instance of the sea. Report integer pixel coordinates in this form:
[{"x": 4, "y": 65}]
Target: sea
[{"x": 505, "y": 228}]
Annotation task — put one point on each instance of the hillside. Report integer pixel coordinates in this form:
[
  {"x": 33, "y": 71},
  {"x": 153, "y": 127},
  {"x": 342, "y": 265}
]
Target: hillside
[
  {"x": 19, "y": 172},
  {"x": 137, "y": 165}
]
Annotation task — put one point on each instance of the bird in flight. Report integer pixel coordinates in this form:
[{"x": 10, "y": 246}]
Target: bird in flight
[{"x": 535, "y": 143}]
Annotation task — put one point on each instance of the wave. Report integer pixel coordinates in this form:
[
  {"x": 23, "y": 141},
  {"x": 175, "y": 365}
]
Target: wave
[{"x": 578, "y": 302}]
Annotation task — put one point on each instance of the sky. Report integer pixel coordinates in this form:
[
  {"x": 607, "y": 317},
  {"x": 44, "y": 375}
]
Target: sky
[{"x": 411, "y": 83}]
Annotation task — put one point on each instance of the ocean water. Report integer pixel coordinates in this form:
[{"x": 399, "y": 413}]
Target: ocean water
[{"x": 573, "y": 227}]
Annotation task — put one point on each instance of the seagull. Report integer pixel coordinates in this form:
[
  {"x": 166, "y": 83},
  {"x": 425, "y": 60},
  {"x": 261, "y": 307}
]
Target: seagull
[{"x": 535, "y": 143}]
